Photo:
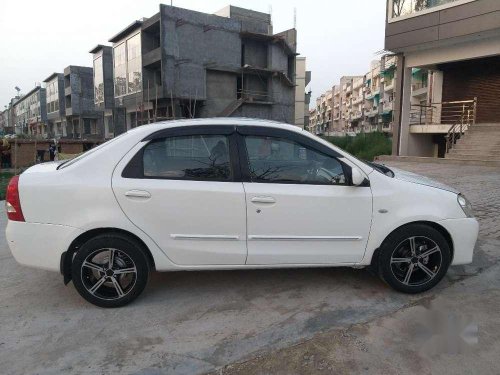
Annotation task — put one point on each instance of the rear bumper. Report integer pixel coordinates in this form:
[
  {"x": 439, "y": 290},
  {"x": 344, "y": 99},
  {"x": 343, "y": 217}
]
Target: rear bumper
[
  {"x": 464, "y": 234},
  {"x": 39, "y": 245}
]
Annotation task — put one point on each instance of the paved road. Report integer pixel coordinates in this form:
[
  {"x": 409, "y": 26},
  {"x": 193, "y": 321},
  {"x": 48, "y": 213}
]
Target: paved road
[{"x": 196, "y": 322}]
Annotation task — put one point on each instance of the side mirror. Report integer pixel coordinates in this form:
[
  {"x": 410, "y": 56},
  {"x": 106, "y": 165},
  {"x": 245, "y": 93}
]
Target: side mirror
[{"x": 357, "y": 177}]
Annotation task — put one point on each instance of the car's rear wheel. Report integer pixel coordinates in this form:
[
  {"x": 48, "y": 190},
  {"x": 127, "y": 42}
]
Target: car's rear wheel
[
  {"x": 414, "y": 258},
  {"x": 110, "y": 270}
]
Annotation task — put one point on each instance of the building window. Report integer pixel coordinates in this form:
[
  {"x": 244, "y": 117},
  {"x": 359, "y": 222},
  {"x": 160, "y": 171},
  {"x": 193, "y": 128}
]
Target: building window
[
  {"x": 120, "y": 65},
  {"x": 410, "y": 8},
  {"x": 128, "y": 66},
  {"x": 98, "y": 81},
  {"x": 134, "y": 64},
  {"x": 52, "y": 92}
]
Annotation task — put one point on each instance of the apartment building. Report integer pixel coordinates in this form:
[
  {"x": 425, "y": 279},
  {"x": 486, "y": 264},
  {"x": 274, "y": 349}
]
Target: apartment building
[
  {"x": 302, "y": 96},
  {"x": 55, "y": 104},
  {"x": 181, "y": 63},
  {"x": 83, "y": 120},
  {"x": 448, "y": 72},
  {"x": 322, "y": 122},
  {"x": 113, "y": 118},
  {"x": 30, "y": 113},
  {"x": 7, "y": 117}
]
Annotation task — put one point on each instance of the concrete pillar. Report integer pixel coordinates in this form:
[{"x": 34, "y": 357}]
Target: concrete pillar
[
  {"x": 398, "y": 84},
  {"x": 404, "y": 131},
  {"x": 437, "y": 94}
]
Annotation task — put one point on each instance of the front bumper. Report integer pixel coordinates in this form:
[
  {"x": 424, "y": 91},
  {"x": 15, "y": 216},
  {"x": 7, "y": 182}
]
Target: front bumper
[
  {"x": 39, "y": 245},
  {"x": 464, "y": 234}
]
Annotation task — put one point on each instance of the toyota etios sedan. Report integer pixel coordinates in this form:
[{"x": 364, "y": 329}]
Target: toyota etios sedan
[{"x": 230, "y": 194}]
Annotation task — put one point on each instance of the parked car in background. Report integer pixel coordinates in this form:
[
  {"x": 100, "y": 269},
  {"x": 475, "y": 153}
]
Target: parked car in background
[{"x": 230, "y": 194}]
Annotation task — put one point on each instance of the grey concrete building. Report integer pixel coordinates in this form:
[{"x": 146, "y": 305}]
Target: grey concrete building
[
  {"x": 448, "y": 73},
  {"x": 104, "y": 99},
  {"x": 83, "y": 120},
  {"x": 56, "y": 110},
  {"x": 181, "y": 63},
  {"x": 302, "y": 96},
  {"x": 30, "y": 113},
  {"x": 7, "y": 117}
]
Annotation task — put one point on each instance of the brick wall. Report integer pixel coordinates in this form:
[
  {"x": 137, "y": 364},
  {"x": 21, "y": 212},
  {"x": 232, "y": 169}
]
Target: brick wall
[{"x": 23, "y": 151}]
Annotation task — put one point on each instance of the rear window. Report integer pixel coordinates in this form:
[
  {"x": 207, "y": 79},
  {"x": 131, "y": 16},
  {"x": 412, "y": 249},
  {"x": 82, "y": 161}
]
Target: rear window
[{"x": 69, "y": 162}]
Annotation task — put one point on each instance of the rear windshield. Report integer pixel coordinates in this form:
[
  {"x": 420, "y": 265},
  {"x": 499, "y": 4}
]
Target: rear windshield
[{"x": 69, "y": 162}]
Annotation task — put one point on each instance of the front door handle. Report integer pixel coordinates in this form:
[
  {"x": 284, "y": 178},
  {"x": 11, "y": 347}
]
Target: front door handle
[
  {"x": 265, "y": 200},
  {"x": 138, "y": 194}
]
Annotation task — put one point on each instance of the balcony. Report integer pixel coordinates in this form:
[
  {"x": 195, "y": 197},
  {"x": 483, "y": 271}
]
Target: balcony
[
  {"x": 357, "y": 115},
  {"x": 389, "y": 85},
  {"x": 372, "y": 112},
  {"x": 419, "y": 89},
  {"x": 357, "y": 100},
  {"x": 152, "y": 57},
  {"x": 441, "y": 117}
]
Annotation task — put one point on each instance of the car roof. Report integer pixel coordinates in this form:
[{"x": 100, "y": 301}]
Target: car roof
[{"x": 228, "y": 121}]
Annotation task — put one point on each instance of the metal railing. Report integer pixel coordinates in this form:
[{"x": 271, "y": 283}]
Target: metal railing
[
  {"x": 254, "y": 96},
  {"x": 447, "y": 113},
  {"x": 459, "y": 115}
]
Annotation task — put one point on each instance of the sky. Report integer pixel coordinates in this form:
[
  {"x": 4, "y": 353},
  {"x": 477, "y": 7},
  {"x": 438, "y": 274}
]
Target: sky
[{"x": 37, "y": 38}]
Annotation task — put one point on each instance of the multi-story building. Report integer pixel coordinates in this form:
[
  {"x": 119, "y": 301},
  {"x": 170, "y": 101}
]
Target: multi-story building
[
  {"x": 312, "y": 121},
  {"x": 83, "y": 120},
  {"x": 30, "y": 113},
  {"x": 447, "y": 75},
  {"x": 372, "y": 95},
  {"x": 336, "y": 110},
  {"x": 357, "y": 123},
  {"x": 182, "y": 63},
  {"x": 388, "y": 75},
  {"x": 322, "y": 124},
  {"x": 302, "y": 97},
  {"x": 346, "y": 107},
  {"x": 104, "y": 99},
  {"x": 55, "y": 104}
]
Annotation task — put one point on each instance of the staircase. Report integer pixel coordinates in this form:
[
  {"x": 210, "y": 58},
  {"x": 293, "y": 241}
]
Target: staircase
[
  {"x": 233, "y": 106},
  {"x": 480, "y": 143}
]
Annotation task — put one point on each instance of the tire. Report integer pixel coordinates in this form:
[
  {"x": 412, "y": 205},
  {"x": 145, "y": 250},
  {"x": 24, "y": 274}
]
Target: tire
[
  {"x": 106, "y": 286},
  {"x": 414, "y": 258}
]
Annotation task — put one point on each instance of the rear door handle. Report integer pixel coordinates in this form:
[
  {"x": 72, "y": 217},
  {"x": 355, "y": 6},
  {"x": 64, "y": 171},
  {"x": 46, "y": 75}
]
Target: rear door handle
[
  {"x": 138, "y": 194},
  {"x": 265, "y": 200}
]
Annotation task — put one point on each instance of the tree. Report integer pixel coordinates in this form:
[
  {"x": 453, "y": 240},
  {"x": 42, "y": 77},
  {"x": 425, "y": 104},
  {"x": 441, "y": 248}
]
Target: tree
[{"x": 398, "y": 6}]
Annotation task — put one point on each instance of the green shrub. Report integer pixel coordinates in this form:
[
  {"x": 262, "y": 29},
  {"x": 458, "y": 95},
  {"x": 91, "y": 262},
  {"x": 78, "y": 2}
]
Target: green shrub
[{"x": 364, "y": 146}]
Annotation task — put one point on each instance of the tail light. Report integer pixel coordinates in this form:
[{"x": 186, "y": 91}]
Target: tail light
[{"x": 12, "y": 201}]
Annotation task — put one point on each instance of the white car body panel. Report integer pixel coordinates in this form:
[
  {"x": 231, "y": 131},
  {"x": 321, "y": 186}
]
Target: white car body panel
[
  {"x": 305, "y": 228},
  {"x": 307, "y": 223}
]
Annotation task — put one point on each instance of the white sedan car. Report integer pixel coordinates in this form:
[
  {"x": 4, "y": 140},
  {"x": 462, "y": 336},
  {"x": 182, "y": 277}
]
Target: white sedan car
[{"x": 230, "y": 194}]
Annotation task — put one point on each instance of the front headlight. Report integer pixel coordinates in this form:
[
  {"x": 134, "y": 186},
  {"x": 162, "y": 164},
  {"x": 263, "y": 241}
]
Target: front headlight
[{"x": 466, "y": 205}]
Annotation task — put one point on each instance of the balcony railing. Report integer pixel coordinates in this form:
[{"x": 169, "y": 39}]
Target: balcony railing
[
  {"x": 254, "y": 96},
  {"x": 418, "y": 85},
  {"x": 445, "y": 113}
]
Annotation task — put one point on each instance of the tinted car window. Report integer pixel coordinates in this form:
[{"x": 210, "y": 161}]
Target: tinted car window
[
  {"x": 283, "y": 161},
  {"x": 195, "y": 157}
]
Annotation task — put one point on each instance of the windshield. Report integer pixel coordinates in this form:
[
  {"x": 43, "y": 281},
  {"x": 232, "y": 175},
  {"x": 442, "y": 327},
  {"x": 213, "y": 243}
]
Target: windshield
[{"x": 69, "y": 162}]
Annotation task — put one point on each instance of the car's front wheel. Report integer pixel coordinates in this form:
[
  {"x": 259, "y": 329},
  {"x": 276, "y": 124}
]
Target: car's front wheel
[
  {"x": 414, "y": 258},
  {"x": 110, "y": 270}
]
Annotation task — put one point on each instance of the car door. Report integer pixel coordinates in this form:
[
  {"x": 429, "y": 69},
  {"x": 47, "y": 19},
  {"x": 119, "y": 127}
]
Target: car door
[
  {"x": 182, "y": 188},
  {"x": 301, "y": 207}
]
